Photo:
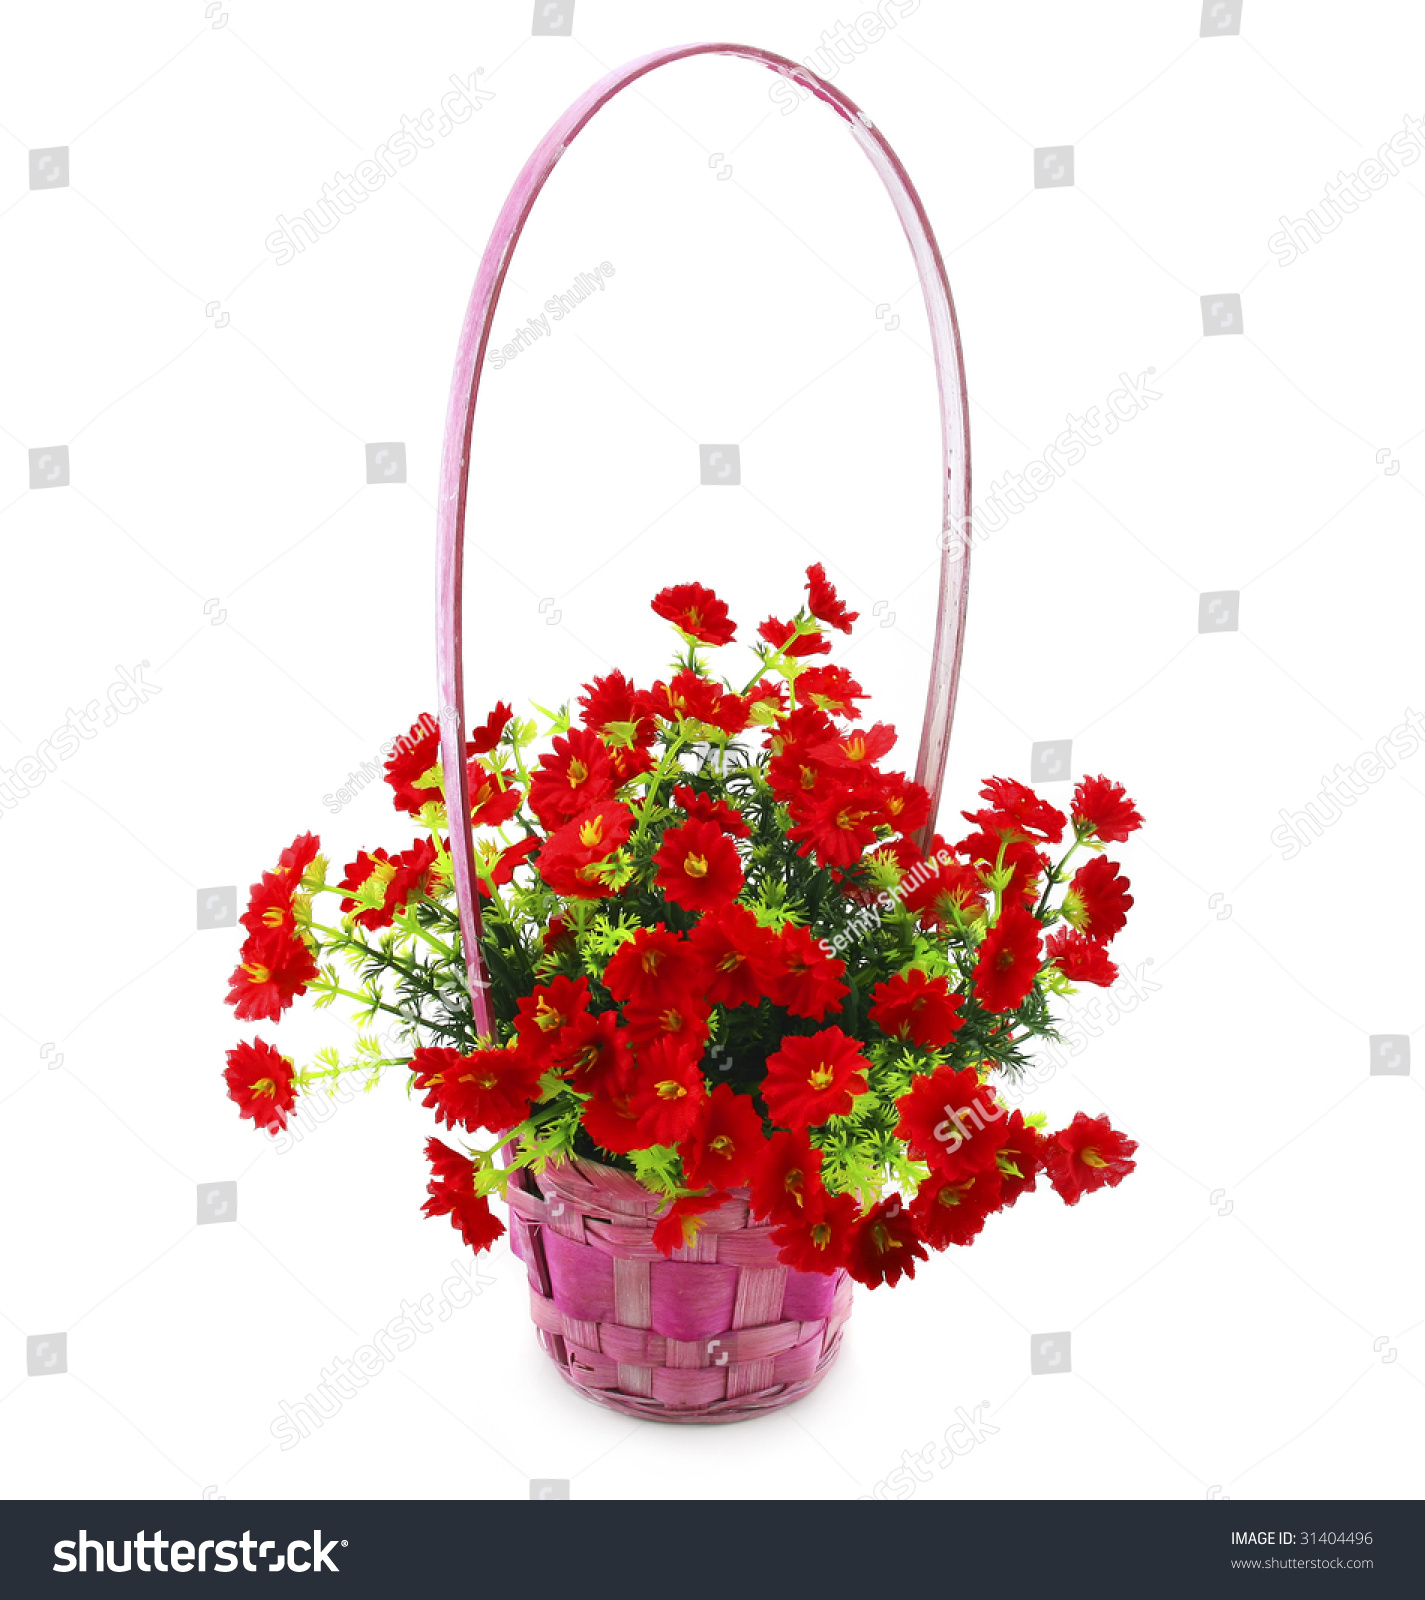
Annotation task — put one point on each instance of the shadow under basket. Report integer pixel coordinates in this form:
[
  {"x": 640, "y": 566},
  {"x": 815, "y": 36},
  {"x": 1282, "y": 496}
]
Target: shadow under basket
[{"x": 718, "y": 1332}]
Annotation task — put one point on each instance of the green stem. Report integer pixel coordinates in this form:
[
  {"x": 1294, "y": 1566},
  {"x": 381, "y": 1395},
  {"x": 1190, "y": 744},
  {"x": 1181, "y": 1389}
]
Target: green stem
[{"x": 1056, "y": 876}]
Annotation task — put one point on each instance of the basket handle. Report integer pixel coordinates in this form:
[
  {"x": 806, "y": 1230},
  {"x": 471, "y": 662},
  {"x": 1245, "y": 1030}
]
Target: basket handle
[{"x": 460, "y": 417}]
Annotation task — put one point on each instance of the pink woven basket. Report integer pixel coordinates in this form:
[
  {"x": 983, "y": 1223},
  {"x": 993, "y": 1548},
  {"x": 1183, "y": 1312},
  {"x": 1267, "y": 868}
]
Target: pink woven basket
[
  {"x": 722, "y": 1330},
  {"x": 717, "y": 1332}
]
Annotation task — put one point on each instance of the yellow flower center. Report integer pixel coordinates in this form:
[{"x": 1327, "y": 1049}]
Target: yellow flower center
[
  {"x": 670, "y": 1089},
  {"x": 696, "y": 866},
  {"x": 592, "y": 832},
  {"x": 821, "y": 1076},
  {"x": 578, "y": 772}
]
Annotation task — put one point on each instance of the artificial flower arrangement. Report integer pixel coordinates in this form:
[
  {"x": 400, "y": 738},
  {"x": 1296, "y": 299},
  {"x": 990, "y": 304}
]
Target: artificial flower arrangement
[{"x": 727, "y": 954}]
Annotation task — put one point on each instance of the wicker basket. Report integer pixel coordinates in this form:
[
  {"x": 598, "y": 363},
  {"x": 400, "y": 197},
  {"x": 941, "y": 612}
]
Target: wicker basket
[
  {"x": 723, "y": 1330},
  {"x": 716, "y": 1333}
]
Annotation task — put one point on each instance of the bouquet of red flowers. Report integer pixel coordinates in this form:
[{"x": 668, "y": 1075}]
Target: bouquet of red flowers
[{"x": 727, "y": 951}]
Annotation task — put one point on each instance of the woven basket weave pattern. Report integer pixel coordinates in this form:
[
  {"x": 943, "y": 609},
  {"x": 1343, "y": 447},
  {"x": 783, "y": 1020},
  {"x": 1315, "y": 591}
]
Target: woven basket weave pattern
[{"x": 717, "y": 1332}]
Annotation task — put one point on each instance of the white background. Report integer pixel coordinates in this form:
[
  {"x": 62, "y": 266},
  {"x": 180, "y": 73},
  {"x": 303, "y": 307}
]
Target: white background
[{"x": 218, "y": 526}]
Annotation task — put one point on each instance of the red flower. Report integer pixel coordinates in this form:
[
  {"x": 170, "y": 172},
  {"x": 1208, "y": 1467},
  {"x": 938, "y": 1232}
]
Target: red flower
[
  {"x": 824, "y": 604},
  {"x": 570, "y": 858},
  {"x": 577, "y": 774},
  {"x": 689, "y": 697},
  {"x": 812, "y": 1078},
  {"x": 1087, "y": 1155},
  {"x": 1008, "y": 960},
  {"x": 698, "y": 866},
  {"x": 660, "y": 1103},
  {"x": 885, "y": 1246},
  {"x": 607, "y": 701},
  {"x": 501, "y": 864},
  {"x": 402, "y": 876},
  {"x": 298, "y": 856},
  {"x": 677, "y": 1019},
  {"x": 861, "y": 747},
  {"x": 911, "y": 1005},
  {"x": 1019, "y": 854},
  {"x": 794, "y": 772},
  {"x": 724, "y": 1149},
  {"x": 907, "y": 805},
  {"x": 832, "y": 689},
  {"x": 1102, "y": 809},
  {"x": 738, "y": 955},
  {"x": 593, "y": 1050},
  {"x": 697, "y": 612},
  {"x": 820, "y": 1238},
  {"x": 260, "y": 1084},
  {"x": 487, "y": 736},
  {"x": 610, "y": 710},
  {"x": 680, "y": 1224},
  {"x": 1020, "y": 1158},
  {"x": 766, "y": 700},
  {"x": 953, "y": 1210},
  {"x": 1097, "y": 900},
  {"x": 1016, "y": 806},
  {"x": 415, "y": 757},
  {"x": 544, "y": 1015},
  {"x": 936, "y": 886},
  {"x": 487, "y": 1089},
  {"x": 705, "y": 808},
  {"x": 270, "y": 901},
  {"x": 787, "y": 1182},
  {"x": 493, "y": 801},
  {"x": 654, "y": 964},
  {"x": 269, "y": 905},
  {"x": 839, "y": 825},
  {"x": 800, "y": 729},
  {"x": 276, "y": 967},
  {"x": 779, "y": 636},
  {"x": 803, "y": 977},
  {"x": 952, "y": 1121},
  {"x": 794, "y": 777},
  {"x": 1079, "y": 958},
  {"x": 610, "y": 1119},
  {"x": 452, "y": 1194}
]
